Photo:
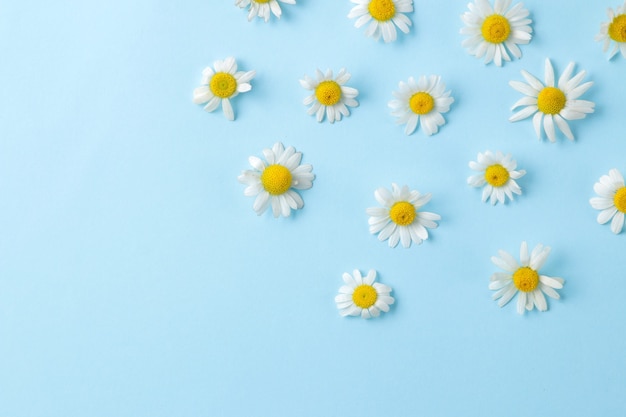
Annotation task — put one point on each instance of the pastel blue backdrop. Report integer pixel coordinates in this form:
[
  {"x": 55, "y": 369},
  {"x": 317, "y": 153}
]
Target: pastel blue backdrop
[{"x": 136, "y": 280}]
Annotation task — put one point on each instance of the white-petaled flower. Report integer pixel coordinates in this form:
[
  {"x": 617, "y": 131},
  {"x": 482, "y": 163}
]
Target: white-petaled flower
[
  {"x": 611, "y": 200},
  {"x": 273, "y": 181},
  {"x": 553, "y": 103},
  {"x": 494, "y": 30},
  {"x": 614, "y": 30},
  {"x": 221, "y": 85},
  {"x": 330, "y": 95},
  {"x": 362, "y": 296},
  {"x": 421, "y": 102},
  {"x": 497, "y": 174},
  {"x": 400, "y": 220},
  {"x": 383, "y": 16},
  {"x": 524, "y": 278},
  {"x": 262, "y": 8}
]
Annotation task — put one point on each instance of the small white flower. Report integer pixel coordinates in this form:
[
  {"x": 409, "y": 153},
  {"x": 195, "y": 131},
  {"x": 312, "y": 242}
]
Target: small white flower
[
  {"x": 494, "y": 30},
  {"x": 273, "y": 181},
  {"x": 614, "y": 30},
  {"x": 523, "y": 277},
  {"x": 497, "y": 174},
  {"x": 362, "y": 296},
  {"x": 612, "y": 200},
  {"x": 330, "y": 95},
  {"x": 262, "y": 8},
  {"x": 383, "y": 16},
  {"x": 421, "y": 102},
  {"x": 553, "y": 103},
  {"x": 221, "y": 85},
  {"x": 400, "y": 220}
]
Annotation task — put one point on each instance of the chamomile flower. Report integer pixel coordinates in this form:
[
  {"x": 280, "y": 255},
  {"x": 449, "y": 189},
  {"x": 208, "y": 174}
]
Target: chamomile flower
[
  {"x": 400, "y": 220},
  {"x": 330, "y": 95},
  {"x": 361, "y": 296},
  {"x": 422, "y": 102},
  {"x": 497, "y": 175},
  {"x": 383, "y": 16},
  {"x": 552, "y": 103},
  {"x": 274, "y": 180},
  {"x": 495, "y": 30},
  {"x": 262, "y": 8},
  {"x": 611, "y": 200},
  {"x": 524, "y": 278},
  {"x": 614, "y": 30},
  {"x": 221, "y": 85}
]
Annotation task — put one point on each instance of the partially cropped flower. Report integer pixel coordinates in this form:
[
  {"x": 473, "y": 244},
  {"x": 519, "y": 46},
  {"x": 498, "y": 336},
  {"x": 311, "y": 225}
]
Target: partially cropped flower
[
  {"x": 331, "y": 97},
  {"x": 361, "y": 296},
  {"x": 262, "y": 8},
  {"x": 382, "y": 17},
  {"x": 612, "y": 200},
  {"x": 221, "y": 85},
  {"x": 614, "y": 31},
  {"x": 275, "y": 180},
  {"x": 497, "y": 174}
]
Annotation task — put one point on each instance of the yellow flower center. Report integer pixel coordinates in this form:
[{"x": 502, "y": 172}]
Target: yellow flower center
[
  {"x": 617, "y": 28},
  {"x": 364, "y": 296},
  {"x": 421, "y": 103},
  {"x": 551, "y": 100},
  {"x": 402, "y": 213},
  {"x": 496, "y": 175},
  {"x": 620, "y": 199},
  {"x": 328, "y": 93},
  {"x": 496, "y": 28},
  {"x": 223, "y": 85},
  {"x": 382, "y": 10},
  {"x": 276, "y": 179},
  {"x": 526, "y": 279},
  {"x": 261, "y": 1}
]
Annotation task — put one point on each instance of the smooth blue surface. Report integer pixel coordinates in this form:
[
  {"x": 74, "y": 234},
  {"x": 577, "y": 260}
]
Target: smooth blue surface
[{"x": 136, "y": 280}]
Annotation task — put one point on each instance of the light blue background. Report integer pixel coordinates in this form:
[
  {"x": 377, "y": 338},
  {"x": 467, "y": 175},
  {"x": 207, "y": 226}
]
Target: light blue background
[{"x": 136, "y": 280}]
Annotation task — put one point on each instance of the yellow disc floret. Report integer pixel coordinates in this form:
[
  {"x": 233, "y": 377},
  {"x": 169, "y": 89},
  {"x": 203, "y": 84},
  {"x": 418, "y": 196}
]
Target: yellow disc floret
[
  {"x": 328, "y": 93},
  {"x": 496, "y": 28},
  {"x": 382, "y": 10},
  {"x": 223, "y": 84},
  {"x": 496, "y": 175},
  {"x": 551, "y": 100},
  {"x": 403, "y": 213},
  {"x": 364, "y": 296},
  {"x": 620, "y": 199},
  {"x": 421, "y": 103},
  {"x": 276, "y": 179},
  {"x": 526, "y": 279},
  {"x": 617, "y": 28},
  {"x": 261, "y": 1}
]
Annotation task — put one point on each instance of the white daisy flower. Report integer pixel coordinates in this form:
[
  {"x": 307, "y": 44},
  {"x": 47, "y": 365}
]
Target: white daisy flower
[
  {"x": 553, "y": 103},
  {"x": 273, "y": 181},
  {"x": 497, "y": 175},
  {"x": 362, "y": 296},
  {"x": 262, "y": 8},
  {"x": 330, "y": 95},
  {"x": 383, "y": 16},
  {"x": 400, "y": 220},
  {"x": 524, "y": 277},
  {"x": 421, "y": 102},
  {"x": 611, "y": 200},
  {"x": 221, "y": 85},
  {"x": 614, "y": 30},
  {"x": 495, "y": 30}
]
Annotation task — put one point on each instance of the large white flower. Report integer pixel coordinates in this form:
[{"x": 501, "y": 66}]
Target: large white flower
[
  {"x": 524, "y": 278},
  {"x": 400, "y": 220},
  {"x": 221, "y": 85},
  {"x": 330, "y": 95},
  {"x": 362, "y": 296},
  {"x": 497, "y": 174},
  {"x": 421, "y": 102},
  {"x": 383, "y": 16},
  {"x": 494, "y": 30},
  {"x": 273, "y": 181},
  {"x": 550, "y": 103},
  {"x": 614, "y": 30},
  {"x": 611, "y": 200},
  {"x": 262, "y": 8}
]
